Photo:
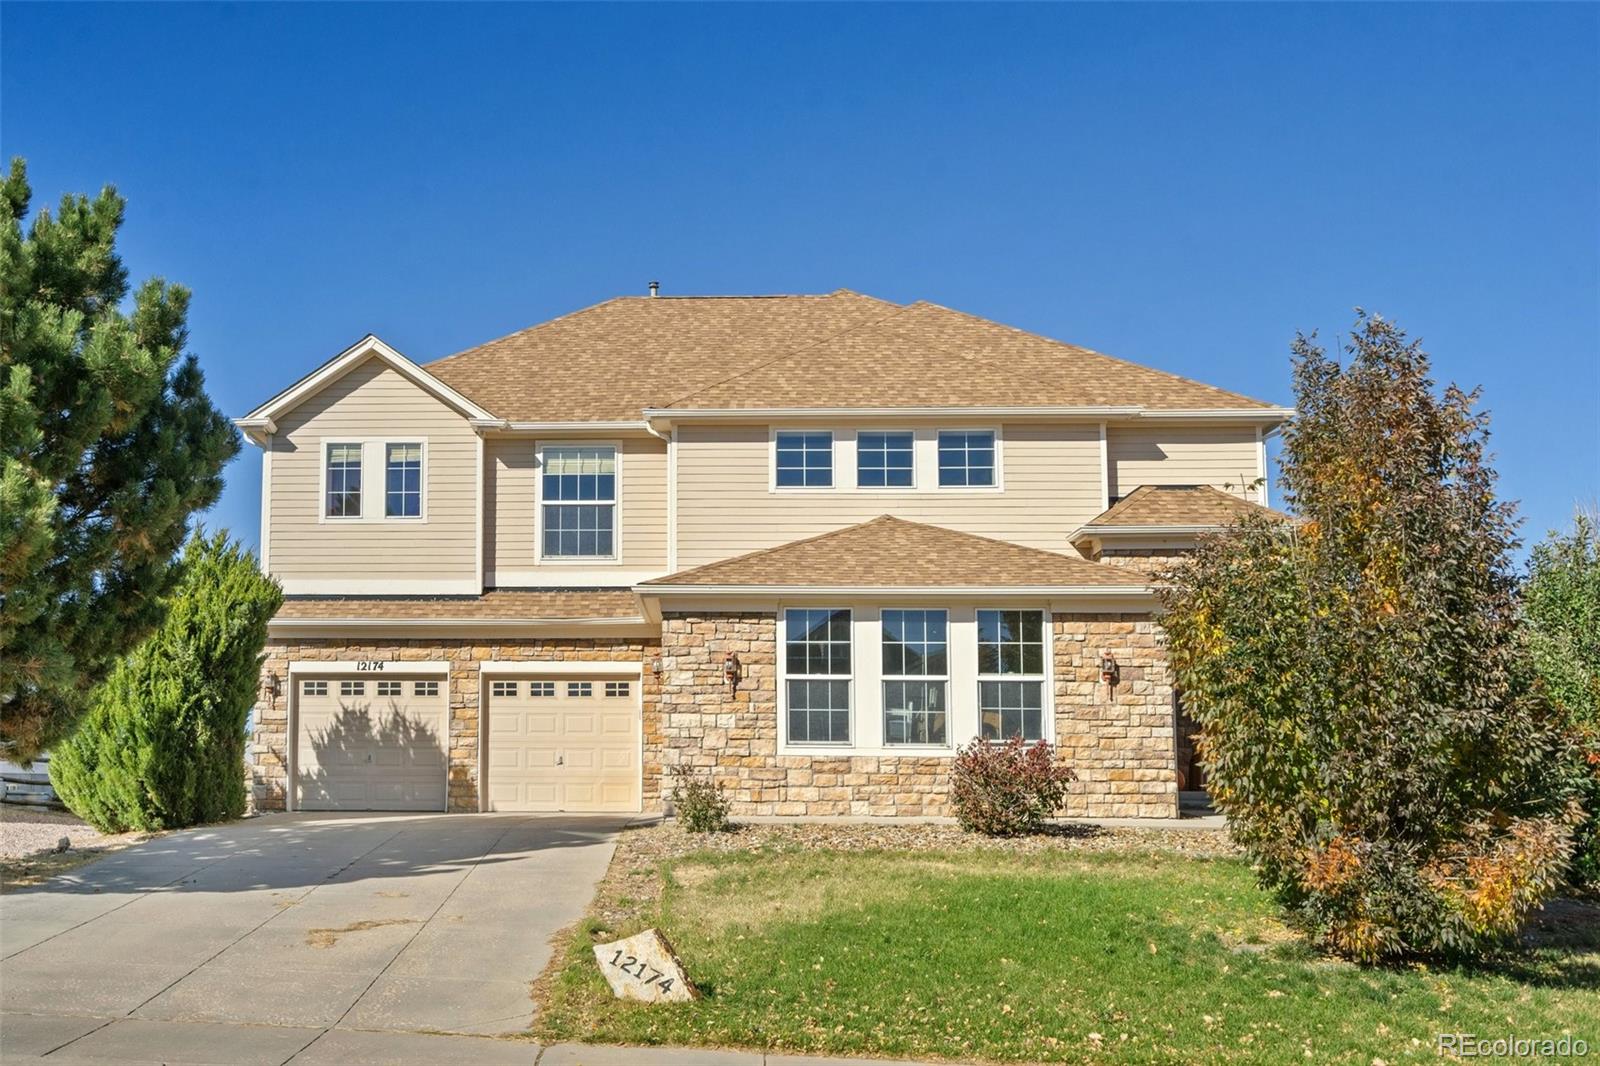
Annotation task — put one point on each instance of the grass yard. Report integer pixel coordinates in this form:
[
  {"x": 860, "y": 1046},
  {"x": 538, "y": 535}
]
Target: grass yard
[{"x": 1046, "y": 953}]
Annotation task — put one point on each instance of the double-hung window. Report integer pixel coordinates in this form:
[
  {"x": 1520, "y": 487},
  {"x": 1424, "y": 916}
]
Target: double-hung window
[
  {"x": 579, "y": 491},
  {"x": 916, "y": 677},
  {"x": 966, "y": 458},
  {"x": 884, "y": 460},
  {"x": 817, "y": 674},
  {"x": 1011, "y": 674},
  {"x": 402, "y": 481},
  {"x": 343, "y": 479},
  {"x": 803, "y": 460}
]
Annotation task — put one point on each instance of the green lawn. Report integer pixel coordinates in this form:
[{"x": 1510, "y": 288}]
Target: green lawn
[{"x": 1058, "y": 956}]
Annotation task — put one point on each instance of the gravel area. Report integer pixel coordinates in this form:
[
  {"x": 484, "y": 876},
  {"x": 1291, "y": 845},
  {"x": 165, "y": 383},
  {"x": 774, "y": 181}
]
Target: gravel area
[
  {"x": 28, "y": 839},
  {"x": 669, "y": 840},
  {"x": 27, "y": 830}
]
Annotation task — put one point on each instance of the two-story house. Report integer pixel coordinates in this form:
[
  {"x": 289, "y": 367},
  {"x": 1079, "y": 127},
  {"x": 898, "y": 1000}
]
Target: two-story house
[{"x": 809, "y": 544}]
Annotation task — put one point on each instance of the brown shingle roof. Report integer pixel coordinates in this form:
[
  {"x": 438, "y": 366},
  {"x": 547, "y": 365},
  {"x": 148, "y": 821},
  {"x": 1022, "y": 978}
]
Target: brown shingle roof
[
  {"x": 611, "y": 361},
  {"x": 498, "y": 605},
  {"x": 890, "y": 552},
  {"x": 1178, "y": 505}
]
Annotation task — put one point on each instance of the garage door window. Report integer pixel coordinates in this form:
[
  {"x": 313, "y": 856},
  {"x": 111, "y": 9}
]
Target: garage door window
[
  {"x": 616, "y": 688},
  {"x": 313, "y": 688},
  {"x": 352, "y": 688},
  {"x": 388, "y": 688},
  {"x": 504, "y": 688},
  {"x": 579, "y": 690},
  {"x": 425, "y": 688},
  {"x": 542, "y": 689}
]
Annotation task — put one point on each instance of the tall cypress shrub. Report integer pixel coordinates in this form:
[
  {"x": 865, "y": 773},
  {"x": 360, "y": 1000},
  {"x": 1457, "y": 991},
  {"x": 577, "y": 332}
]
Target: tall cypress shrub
[{"x": 162, "y": 746}]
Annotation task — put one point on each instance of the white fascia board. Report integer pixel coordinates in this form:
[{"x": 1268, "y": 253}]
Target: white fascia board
[
  {"x": 1146, "y": 531},
  {"x": 670, "y": 415},
  {"x": 333, "y": 369},
  {"x": 631, "y": 625},
  {"x": 367, "y": 666},
  {"x": 892, "y": 590},
  {"x": 1248, "y": 414},
  {"x": 568, "y": 428}
]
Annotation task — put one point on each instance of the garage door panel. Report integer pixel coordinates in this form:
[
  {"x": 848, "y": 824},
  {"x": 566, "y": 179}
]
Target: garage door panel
[
  {"x": 562, "y": 745},
  {"x": 357, "y": 752}
]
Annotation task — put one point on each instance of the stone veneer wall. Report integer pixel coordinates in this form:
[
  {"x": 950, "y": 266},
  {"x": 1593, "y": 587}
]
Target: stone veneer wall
[
  {"x": 1121, "y": 747},
  {"x": 1141, "y": 558},
  {"x": 1118, "y": 740},
  {"x": 269, "y": 748}
]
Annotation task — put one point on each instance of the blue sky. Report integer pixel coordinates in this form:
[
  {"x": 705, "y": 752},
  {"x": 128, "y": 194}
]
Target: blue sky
[{"x": 1181, "y": 185}]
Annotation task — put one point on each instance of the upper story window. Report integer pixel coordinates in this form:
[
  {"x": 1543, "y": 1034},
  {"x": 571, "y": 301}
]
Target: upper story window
[
  {"x": 403, "y": 481},
  {"x": 916, "y": 677},
  {"x": 579, "y": 491},
  {"x": 885, "y": 460},
  {"x": 343, "y": 481},
  {"x": 804, "y": 460},
  {"x": 1011, "y": 674},
  {"x": 817, "y": 668},
  {"x": 966, "y": 457}
]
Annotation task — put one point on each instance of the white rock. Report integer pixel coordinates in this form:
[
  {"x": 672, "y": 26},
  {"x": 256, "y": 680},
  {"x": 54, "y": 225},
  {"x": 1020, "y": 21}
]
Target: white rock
[{"x": 644, "y": 967}]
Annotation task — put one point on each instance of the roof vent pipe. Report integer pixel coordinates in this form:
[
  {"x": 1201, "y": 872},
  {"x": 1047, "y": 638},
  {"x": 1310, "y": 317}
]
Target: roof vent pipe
[{"x": 655, "y": 288}]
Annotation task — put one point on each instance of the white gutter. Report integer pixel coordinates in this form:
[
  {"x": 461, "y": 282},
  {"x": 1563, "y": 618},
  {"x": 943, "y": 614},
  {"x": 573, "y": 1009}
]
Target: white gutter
[
  {"x": 452, "y": 625},
  {"x": 1095, "y": 413},
  {"x": 894, "y": 590},
  {"x": 504, "y": 426},
  {"x": 1247, "y": 414},
  {"x": 1144, "y": 531}
]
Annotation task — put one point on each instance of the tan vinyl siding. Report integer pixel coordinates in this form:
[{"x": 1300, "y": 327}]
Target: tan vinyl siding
[
  {"x": 373, "y": 402},
  {"x": 1050, "y": 485},
  {"x": 510, "y": 479},
  {"x": 1225, "y": 457}
]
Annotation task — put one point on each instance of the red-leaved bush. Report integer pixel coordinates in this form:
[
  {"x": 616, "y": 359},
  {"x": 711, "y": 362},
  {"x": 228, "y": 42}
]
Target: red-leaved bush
[{"x": 1009, "y": 789}]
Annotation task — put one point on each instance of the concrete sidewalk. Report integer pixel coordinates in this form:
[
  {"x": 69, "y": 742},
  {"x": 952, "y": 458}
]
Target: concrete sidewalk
[{"x": 70, "y": 1040}]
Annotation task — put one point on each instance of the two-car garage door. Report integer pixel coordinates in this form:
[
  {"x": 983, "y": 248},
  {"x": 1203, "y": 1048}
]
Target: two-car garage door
[{"x": 550, "y": 743}]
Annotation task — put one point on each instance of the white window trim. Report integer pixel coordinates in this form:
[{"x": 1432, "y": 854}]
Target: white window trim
[
  {"x": 855, "y": 462},
  {"x": 1047, "y": 710},
  {"x": 833, "y": 459},
  {"x": 999, "y": 461},
  {"x": 615, "y": 558},
  {"x": 949, "y": 689},
  {"x": 785, "y": 745},
  {"x": 374, "y": 501}
]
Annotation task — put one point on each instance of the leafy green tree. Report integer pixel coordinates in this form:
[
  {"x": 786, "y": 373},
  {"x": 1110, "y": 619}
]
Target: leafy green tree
[
  {"x": 163, "y": 743},
  {"x": 1561, "y": 616},
  {"x": 108, "y": 444},
  {"x": 1368, "y": 724}
]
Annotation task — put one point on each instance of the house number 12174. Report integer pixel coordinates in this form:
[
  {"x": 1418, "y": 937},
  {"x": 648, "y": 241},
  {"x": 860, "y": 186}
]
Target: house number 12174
[{"x": 634, "y": 967}]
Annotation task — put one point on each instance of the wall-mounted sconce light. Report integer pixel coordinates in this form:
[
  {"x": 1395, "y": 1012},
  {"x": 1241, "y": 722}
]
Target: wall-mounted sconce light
[
  {"x": 730, "y": 670},
  {"x": 270, "y": 686},
  {"x": 655, "y": 666},
  {"x": 1109, "y": 671}
]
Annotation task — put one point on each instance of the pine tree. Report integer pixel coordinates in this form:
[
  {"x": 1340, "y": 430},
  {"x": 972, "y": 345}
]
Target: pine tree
[
  {"x": 108, "y": 444},
  {"x": 163, "y": 744}
]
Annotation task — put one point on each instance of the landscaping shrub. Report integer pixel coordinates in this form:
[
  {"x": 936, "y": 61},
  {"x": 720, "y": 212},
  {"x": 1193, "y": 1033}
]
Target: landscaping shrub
[
  {"x": 1007, "y": 789},
  {"x": 162, "y": 745},
  {"x": 1561, "y": 631},
  {"x": 1368, "y": 726},
  {"x": 700, "y": 803}
]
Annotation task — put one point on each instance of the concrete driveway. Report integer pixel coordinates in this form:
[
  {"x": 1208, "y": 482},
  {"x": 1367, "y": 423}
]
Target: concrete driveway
[{"x": 301, "y": 937}]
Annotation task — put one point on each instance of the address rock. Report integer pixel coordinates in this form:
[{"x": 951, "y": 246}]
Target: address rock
[{"x": 644, "y": 967}]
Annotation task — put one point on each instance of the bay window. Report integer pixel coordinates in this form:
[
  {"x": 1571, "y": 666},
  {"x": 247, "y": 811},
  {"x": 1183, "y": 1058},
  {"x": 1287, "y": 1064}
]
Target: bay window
[
  {"x": 916, "y": 677},
  {"x": 1011, "y": 674},
  {"x": 817, "y": 669}
]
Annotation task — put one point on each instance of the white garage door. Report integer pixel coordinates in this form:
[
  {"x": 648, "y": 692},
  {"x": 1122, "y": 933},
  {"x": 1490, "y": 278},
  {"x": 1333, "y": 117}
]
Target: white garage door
[
  {"x": 562, "y": 743},
  {"x": 370, "y": 744}
]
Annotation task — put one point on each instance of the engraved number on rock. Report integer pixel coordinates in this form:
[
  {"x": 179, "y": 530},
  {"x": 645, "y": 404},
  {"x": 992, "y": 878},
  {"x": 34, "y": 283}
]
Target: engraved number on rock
[{"x": 635, "y": 967}]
